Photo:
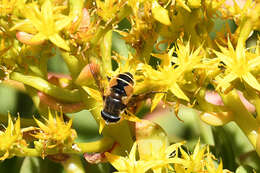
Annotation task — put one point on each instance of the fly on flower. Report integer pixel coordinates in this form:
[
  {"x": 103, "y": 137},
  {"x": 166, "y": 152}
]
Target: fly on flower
[{"x": 116, "y": 96}]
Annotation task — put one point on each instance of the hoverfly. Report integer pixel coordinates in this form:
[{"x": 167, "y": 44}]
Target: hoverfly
[{"x": 116, "y": 96}]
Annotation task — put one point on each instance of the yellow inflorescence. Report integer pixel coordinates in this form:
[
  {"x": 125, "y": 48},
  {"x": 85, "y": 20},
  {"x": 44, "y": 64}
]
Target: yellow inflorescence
[
  {"x": 55, "y": 132},
  {"x": 10, "y": 139}
]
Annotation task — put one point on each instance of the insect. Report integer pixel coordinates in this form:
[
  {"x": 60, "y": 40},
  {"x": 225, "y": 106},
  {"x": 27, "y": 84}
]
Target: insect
[{"x": 116, "y": 96}]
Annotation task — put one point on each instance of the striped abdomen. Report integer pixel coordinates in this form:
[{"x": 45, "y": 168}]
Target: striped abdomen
[{"x": 120, "y": 92}]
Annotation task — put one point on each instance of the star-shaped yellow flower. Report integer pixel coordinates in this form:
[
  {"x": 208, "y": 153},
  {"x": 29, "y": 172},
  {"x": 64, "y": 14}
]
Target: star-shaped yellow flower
[
  {"x": 201, "y": 160},
  {"x": 56, "y": 132},
  {"x": 10, "y": 138},
  {"x": 239, "y": 63},
  {"x": 130, "y": 164},
  {"x": 45, "y": 23}
]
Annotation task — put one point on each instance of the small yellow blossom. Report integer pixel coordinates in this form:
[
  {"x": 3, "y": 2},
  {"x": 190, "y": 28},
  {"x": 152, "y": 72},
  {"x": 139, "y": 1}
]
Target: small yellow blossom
[
  {"x": 10, "y": 138},
  {"x": 168, "y": 77},
  {"x": 160, "y": 80},
  {"x": 201, "y": 160},
  {"x": 187, "y": 59},
  {"x": 108, "y": 9},
  {"x": 130, "y": 164},
  {"x": 166, "y": 155},
  {"x": 47, "y": 22},
  {"x": 239, "y": 63},
  {"x": 8, "y": 6},
  {"x": 56, "y": 132}
]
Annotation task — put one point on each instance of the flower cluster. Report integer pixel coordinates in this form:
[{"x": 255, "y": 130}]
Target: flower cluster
[
  {"x": 122, "y": 57},
  {"x": 11, "y": 139},
  {"x": 201, "y": 160},
  {"x": 55, "y": 132}
]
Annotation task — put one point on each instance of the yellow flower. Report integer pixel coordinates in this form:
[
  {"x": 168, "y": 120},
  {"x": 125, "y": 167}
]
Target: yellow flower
[
  {"x": 201, "y": 160},
  {"x": 187, "y": 59},
  {"x": 130, "y": 164},
  {"x": 153, "y": 145},
  {"x": 165, "y": 155},
  {"x": 8, "y": 6},
  {"x": 168, "y": 76},
  {"x": 211, "y": 168},
  {"x": 56, "y": 132},
  {"x": 10, "y": 138},
  {"x": 160, "y": 80},
  {"x": 108, "y": 9},
  {"x": 45, "y": 23},
  {"x": 239, "y": 63}
]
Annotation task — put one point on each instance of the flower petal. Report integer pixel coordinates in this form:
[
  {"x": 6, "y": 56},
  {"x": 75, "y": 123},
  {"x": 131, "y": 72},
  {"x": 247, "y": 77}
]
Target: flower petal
[
  {"x": 225, "y": 82},
  {"x": 160, "y": 14},
  {"x": 58, "y": 41},
  {"x": 251, "y": 80},
  {"x": 93, "y": 93},
  {"x": 117, "y": 161},
  {"x": 38, "y": 38},
  {"x": 176, "y": 90},
  {"x": 60, "y": 24},
  {"x": 41, "y": 125},
  {"x": 46, "y": 10},
  {"x": 157, "y": 98}
]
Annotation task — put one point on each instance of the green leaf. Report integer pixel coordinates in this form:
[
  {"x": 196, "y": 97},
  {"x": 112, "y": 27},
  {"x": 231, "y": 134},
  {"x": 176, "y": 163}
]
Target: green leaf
[
  {"x": 30, "y": 165},
  {"x": 105, "y": 47},
  {"x": 38, "y": 165},
  {"x": 244, "y": 169}
]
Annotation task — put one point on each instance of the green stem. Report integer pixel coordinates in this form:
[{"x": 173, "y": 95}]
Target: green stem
[
  {"x": 242, "y": 117},
  {"x": 102, "y": 145},
  {"x": 72, "y": 63},
  {"x": 206, "y": 132},
  {"x": 257, "y": 106},
  {"x": 106, "y": 51},
  {"x": 27, "y": 152},
  {"x": 47, "y": 88}
]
